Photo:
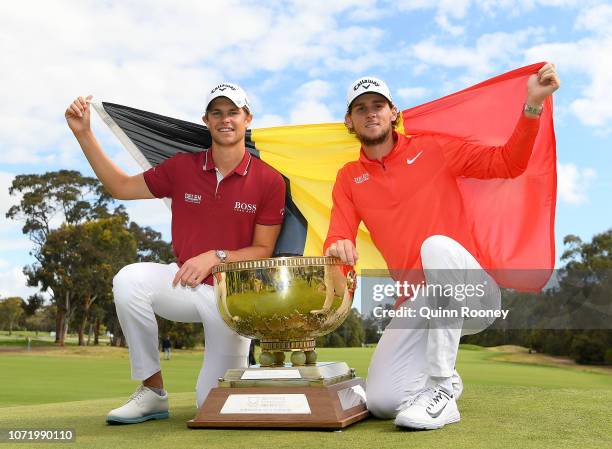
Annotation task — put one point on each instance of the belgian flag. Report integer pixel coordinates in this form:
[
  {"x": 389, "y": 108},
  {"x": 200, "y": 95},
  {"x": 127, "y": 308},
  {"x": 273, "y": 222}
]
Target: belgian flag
[{"x": 512, "y": 219}]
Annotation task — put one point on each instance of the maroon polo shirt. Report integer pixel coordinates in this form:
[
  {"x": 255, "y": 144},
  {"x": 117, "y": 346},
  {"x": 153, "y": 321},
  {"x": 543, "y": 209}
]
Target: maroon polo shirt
[{"x": 210, "y": 215}]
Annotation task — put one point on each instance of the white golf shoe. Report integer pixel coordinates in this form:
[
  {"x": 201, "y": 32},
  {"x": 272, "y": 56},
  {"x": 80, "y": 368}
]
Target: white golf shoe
[
  {"x": 432, "y": 408},
  {"x": 142, "y": 406}
]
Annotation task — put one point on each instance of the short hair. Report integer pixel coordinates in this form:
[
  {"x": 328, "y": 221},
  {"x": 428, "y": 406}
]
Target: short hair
[
  {"x": 394, "y": 124},
  {"x": 245, "y": 108}
]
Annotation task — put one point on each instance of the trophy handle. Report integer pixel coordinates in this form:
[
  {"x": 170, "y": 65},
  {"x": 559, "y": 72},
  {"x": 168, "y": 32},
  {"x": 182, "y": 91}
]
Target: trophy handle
[{"x": 351, "y": 281}]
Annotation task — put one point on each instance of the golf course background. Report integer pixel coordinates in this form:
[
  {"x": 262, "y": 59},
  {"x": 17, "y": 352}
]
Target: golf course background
[{"x": 511, "y": 399}]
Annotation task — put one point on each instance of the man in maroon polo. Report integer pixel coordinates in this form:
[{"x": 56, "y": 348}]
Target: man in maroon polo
[{"x": 227, "y": 206}]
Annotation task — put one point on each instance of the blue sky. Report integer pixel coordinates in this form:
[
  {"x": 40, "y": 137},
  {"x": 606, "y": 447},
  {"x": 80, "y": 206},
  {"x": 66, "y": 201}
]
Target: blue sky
[{"x": 295, "y": 59}]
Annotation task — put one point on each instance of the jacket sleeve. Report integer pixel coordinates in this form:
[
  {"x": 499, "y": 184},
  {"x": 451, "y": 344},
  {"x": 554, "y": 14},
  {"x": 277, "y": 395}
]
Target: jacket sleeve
[
  {"x": 485, "y": 162},
  {"x": 344, "y": 219}
]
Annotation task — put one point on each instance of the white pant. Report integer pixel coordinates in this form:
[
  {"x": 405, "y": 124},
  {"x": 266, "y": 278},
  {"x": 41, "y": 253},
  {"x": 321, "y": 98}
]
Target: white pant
[
  {"x": 144, "y": 289},
  {"x": 411, "y": 352}
]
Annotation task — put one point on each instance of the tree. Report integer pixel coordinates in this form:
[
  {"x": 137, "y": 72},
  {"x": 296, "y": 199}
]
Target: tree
[
  {"x": 45, "y": 197},
  {"x": 594, "y": 255},
  {"x": 349, "y": 334},
  {"x": 106, "y": 246},
  {"x": 352, "y": 330},
  {"x": 34, "y": 303},
  {"x": 372, "y": 330},
  {"x": 11, "y": 311},
  {"x": 572, "y": 319},
  {"x": 150, "y": 246},
  {"x": 43, "y": 320},
  {"x": 182, "y": 335},
  {"x": 57, "y": 263},
  {"x": 80, "y": 261}
]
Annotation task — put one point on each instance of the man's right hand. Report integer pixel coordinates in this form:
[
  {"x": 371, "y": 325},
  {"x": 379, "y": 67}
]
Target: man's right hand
[
  {"x": 345, "y": 250},
  {"x": 77, "y": 115},
  {"x": 116, "y": 181}
]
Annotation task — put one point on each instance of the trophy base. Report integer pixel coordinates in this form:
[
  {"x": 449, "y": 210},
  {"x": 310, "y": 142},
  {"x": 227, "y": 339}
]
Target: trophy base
[
  {"x": 287, "y": 375},
  {"x": 332, "y": 406}
]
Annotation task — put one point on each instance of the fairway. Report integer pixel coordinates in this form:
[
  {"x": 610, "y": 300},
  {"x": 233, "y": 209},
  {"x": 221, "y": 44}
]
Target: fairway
[{"x": 505, "y": 404}]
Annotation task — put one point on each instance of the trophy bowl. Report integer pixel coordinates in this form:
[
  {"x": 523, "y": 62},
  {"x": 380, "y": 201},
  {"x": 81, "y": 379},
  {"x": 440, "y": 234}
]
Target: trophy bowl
[{"x": 285, "y": 302}]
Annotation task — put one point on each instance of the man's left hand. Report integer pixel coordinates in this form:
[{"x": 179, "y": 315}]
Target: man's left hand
[
  {"x": 196, "y": 269},
  {"x": 542, "y": 84}
]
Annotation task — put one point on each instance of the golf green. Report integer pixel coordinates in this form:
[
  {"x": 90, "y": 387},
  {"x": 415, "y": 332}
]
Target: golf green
[{"x": 504, "y": 404}]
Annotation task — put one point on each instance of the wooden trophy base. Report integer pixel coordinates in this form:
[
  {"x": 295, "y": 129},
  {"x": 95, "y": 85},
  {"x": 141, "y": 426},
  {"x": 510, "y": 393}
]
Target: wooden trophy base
[{"x": 332, "y": 406}]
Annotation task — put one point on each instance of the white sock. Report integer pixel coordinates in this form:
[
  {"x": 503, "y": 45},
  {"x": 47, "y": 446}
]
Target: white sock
[{"x": 159, "y": 391}]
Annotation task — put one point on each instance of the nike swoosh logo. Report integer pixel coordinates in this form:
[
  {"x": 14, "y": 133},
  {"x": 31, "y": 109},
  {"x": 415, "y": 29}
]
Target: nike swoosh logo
[
  {"x": 435, "y": 415},
  {"x": 411, "y": 161}
]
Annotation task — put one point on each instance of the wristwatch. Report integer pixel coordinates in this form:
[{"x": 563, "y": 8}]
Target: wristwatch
[
  {"x": 221, "y": 254},
  {"x": 533, "y": 110}
]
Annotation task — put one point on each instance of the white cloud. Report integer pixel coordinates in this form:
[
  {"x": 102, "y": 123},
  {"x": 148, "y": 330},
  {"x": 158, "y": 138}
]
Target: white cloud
[
  {"x": 14, "y": 245},
  {"x": 573, "y": 183},
  {"x": 458, "y": 9},
  {"x": 419, "y": 69},
  {"x": 355, "y": 64},
  {"x": 445, "y": 10},
  {"x": 454, "y": 17},
  {"x": 490, "y": 54},
  {"x": 445, "y": 24},
  {"x": 268, "y": 120},
  {"x": 368, "y": 10},
  {"x": 20, "y": 243},
  {"x": 593, "y": 107},
  {"x": 153, "y": 212},
  {"x": 13, "y": 283},
  {"x": 6, "y": 202},
  {"x": 126, "y": 162},
  {"x": 309, "y": 106},
  {"x": 495, "y": 52},
  {"x": 315, "y": 89},
  {"x": 311, "y": 111},
  {"x": 21, "y": 155},
  {"x": 159, "y": 58},
  {"x": 409, "y": 94},
  {"x": 597, "y": 19}
]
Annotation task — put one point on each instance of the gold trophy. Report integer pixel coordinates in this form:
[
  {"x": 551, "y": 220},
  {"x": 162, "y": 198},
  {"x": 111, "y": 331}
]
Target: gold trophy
[{"x": 286, "y": 303}]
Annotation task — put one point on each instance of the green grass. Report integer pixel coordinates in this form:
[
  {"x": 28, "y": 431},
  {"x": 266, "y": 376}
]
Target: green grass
[{"x": 504, "y": 405}]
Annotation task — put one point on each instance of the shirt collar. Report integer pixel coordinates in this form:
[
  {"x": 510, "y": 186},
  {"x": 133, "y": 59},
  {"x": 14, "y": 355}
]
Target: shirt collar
[
  {"x": 241, "y": 169},
  {"x": 399, "y": 140}
]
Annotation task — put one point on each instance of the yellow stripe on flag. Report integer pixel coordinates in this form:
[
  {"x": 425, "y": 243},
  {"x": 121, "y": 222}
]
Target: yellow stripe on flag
[{"x": 310, "y": 156}]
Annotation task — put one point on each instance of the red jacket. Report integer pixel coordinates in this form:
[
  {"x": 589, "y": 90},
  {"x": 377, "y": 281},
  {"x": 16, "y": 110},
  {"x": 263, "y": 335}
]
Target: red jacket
[{"x": 413, "y": 193}]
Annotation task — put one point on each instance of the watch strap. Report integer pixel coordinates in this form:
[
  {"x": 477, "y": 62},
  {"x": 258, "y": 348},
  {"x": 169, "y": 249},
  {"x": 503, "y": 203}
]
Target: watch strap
[{"x": 533, "y": 110}]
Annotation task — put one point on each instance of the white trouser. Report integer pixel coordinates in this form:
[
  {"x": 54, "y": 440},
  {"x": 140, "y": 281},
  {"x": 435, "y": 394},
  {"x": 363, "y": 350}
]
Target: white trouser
[
  {"x": 144, "y": 289},
  {"x": 411, "y": 351}
]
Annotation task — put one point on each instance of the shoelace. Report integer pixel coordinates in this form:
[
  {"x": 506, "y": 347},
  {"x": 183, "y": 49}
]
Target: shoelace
[
  {"x": 439, "y": 395},
  {"x": 431, "y": 396},
  {"x": 137, "y": 394},
  {"x": 427, "y": 397}
]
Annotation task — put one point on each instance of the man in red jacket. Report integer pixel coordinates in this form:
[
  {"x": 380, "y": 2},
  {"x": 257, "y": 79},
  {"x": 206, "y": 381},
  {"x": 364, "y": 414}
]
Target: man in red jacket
[{"x": 404, "y": 189}]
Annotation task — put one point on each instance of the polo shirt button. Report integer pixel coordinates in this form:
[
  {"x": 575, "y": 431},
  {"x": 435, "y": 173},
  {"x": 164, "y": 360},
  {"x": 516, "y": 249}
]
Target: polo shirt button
[{"x": 217, "y": 196}]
